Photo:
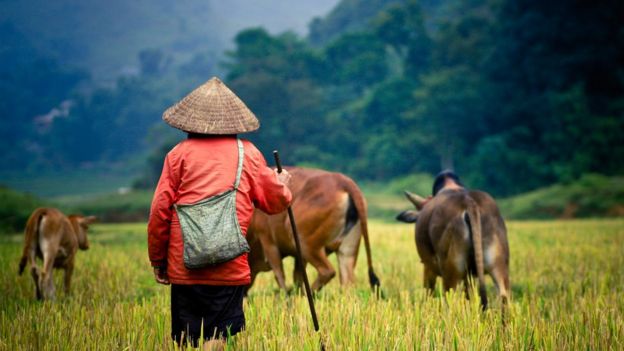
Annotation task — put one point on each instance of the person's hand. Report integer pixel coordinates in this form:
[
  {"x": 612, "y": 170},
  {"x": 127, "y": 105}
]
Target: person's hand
[
  {"x": 283, "y": 177},
  {"x": 161, "y": 276}
]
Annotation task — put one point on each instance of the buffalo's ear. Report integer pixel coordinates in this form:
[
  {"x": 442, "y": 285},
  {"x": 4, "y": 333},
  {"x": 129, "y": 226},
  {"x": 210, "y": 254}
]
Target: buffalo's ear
[{"x": 409, "y": 216}]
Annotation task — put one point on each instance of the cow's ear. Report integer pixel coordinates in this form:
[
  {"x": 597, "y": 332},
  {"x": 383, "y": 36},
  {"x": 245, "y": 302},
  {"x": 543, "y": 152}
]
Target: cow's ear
[
  {"x": 89, "y": 219},
  {"x": 409, "y": 216}
]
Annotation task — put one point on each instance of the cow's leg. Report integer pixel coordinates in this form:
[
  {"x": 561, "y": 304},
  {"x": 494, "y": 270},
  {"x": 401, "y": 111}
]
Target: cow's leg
[
  {"x": 324, "y": 268},
  {"x": 49, "y": 249},
  {"x": 280, "y": 278},
  {"x": 451, "y": 273},
  {"x": 450, "y": 280},
  {"x": 46, "y": 278},
  {"x": 456, "y": 243},
  {"x": 467, "y": 287},
  {"x": 69, "y": 269},
  {"x": 347, "y": 255},
  {"x": 35, "y": 272},
  {"x": 346, "y": 266},
  {"x": 272, "y": 255},
  {"x": 297, "y": 276},
  {"x": 429, "y": 279},
  {"x": 500, "y": 276}
]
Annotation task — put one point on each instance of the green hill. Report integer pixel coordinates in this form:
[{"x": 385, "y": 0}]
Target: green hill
[{"x": 591, "y": 196}]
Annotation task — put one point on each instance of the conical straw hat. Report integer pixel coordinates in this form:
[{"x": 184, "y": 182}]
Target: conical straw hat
[{"x": 211, "y": 109}]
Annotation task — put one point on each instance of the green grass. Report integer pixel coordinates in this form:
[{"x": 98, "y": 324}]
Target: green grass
[
  {"x": 101, "y": 179},
  {"x": 386, "y": 200},
  {"x": 567, "y": 286},
  {"x": 591, "y": 195},
  {"x": 128, "y": 206},
  {"x": 97, "y": 193}
]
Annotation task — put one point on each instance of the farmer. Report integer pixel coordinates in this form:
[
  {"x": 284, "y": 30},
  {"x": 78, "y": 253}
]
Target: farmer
[{"x": 196, "y": 239}]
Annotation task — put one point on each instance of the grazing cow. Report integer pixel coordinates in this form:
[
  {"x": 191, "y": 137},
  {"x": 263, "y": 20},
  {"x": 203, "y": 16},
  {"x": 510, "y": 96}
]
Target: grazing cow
[
  {"x": 330, "y": 214},
  {"x": 460, "y": 231},
  {"x": 55, "y": 238}
]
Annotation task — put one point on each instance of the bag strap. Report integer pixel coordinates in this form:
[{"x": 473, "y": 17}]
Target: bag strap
[{"x": 241, "y": 157}]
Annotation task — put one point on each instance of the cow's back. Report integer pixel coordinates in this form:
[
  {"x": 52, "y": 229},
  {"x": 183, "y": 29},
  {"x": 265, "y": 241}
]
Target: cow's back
[
  {"x": 58, "y": 234},
  {"x": 447, "y": 209},
  {"x": 317, "y": 196},
  {"x": 435, "y": 216}
]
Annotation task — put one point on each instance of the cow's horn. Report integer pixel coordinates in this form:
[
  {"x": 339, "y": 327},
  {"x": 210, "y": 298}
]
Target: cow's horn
[{"x": 415, "y": 199}]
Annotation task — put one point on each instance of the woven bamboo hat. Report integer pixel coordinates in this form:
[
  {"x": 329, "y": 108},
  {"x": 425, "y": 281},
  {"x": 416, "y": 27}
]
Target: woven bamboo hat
[{"x": 212, "y": 108}]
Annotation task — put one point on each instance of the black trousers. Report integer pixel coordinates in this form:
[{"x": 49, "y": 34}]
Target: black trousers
[{"x": 217, "y": 311}]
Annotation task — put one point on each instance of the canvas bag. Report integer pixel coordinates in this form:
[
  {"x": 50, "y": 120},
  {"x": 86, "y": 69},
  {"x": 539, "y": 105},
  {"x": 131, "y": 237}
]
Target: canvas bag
[{"x": 210, "y": 229}]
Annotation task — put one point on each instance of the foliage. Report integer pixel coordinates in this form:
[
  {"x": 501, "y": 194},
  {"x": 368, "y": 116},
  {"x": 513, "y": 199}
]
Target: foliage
[
  {"x": 347, "y": 16},
  {"x": 276, "y": 76},
  {"x": 501, "y": 91},
  {"x": 513, "y": 94},
  {"x": 34, "y": 89},
  {"x": 590, "y": 196},
  {"x": 15, "y": 208},
  {"x": 152, "y": 172},
  {"x": 566, "y": 279},
  {"x": 356, "y": 59},
  {"x": 54, "y": 125}
]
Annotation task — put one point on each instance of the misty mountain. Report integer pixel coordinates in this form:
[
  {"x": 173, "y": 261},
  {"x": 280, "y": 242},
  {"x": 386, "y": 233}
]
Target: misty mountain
[{"x": 106, "y": 37}]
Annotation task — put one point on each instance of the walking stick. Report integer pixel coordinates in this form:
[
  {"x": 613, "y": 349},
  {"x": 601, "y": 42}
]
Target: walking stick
[{"x": 299, "y": 260}]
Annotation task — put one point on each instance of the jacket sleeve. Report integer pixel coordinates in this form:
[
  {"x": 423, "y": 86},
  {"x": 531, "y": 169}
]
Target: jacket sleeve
[
  {"x": 159, "y": 225},
  {"x": 268, "y": 193}
]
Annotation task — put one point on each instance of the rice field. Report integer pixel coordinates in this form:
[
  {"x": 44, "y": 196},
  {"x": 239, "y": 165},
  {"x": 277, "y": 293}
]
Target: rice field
[{"x": 567, "y": 294}]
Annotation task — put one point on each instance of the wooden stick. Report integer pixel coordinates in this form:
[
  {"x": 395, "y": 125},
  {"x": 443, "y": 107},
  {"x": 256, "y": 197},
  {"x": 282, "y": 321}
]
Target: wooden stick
[{"x": 300, "y": 265}]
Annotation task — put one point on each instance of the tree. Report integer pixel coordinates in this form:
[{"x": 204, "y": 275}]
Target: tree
[
  {"x": 357, "y": 60},
  {"x": 402, "y": 28},
  {"x": 277, "y": 79}
]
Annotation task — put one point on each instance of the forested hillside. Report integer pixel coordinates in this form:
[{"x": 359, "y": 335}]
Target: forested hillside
[
  {"x": 512, "y": 94},
  {"x": 86, "y": 82}
]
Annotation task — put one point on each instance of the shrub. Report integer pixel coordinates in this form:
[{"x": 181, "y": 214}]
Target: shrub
[{"x": 15, "y": 208}]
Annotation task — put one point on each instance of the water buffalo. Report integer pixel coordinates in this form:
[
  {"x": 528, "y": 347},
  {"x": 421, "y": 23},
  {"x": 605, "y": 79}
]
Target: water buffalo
[
  {"x": 55, "y": 238},
  {"x": 460, "y": 231},
  {"x": 330, "y": 214}
]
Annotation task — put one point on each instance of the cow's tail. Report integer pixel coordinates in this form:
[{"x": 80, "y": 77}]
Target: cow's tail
[
  {"x": 474, "y": 225},
  {"x": 31, "y": 235},
  {"x": 355, "y": 194}
]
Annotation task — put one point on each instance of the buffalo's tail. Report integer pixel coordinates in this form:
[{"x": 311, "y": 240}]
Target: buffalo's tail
[{"x": 474, "y": 225}]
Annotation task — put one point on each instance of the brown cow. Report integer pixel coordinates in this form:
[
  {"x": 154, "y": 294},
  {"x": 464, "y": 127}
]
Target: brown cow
[
  {"x": 55, "y": 238},
  {"x": 460, "y": 231},
  {"x": 330, "y": 214}
]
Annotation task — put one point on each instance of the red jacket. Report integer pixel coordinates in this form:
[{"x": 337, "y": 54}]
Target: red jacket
[{"x": 198, "y": 168}]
